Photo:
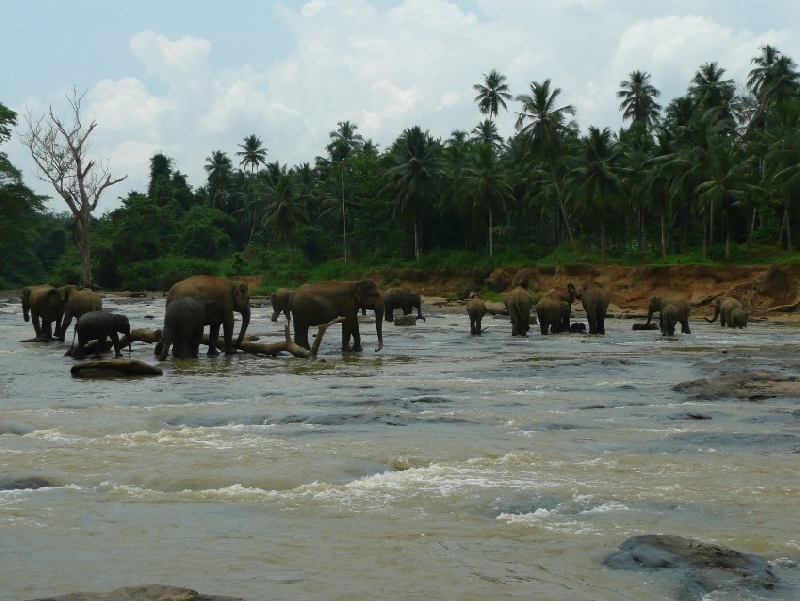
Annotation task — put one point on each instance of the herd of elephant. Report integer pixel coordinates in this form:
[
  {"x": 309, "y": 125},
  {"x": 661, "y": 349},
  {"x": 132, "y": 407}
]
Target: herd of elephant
[{"x": 203, "y": 300}]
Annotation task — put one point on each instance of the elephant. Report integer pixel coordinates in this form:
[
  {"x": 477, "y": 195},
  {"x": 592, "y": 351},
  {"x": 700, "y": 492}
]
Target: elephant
[
  {"x": 43, "y": 306},
  {"x": 669, "y": 316},
  {"x": 77, "y": 301},
  {"x": 399, "y": 298},
  {"x": 566, "y": 293},
  {"x": 476, "y": 309},
  {"x": 577, "y": 328},
  {"x": 99, "y": 325},
  {"x": 280, "y": 303},
  {"x": 184, "y": 321},
  {"x": 230, "y": 296},
  {"x": 738, "y": 318},
  {"x": 595, "y": 300},
  {"x": 659, "y": 302},
  {"x": 723, "y": 308},
  {"x": 318, "y": 303},
  {"x": 553, "y": 315},
  {"x": 518, "y": 303}
]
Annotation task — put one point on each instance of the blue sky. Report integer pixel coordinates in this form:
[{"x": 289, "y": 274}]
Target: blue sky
[{"x": 186, "y": 78}]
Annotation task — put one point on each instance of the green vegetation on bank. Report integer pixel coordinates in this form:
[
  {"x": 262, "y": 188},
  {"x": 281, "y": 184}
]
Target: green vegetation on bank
[{"x": 711, "y": 178}]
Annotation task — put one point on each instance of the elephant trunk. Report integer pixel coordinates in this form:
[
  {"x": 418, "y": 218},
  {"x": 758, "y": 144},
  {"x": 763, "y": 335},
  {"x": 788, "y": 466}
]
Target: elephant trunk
[
  {"x": 379, "y": 308},
  {"x": 419, "y": 312},
  {"x": 649, "y": 316},
  {"x": 245, "y": 323},
  {"x": 130, "y": 340},
  {"x": 26, "y": 313},
  {"x": 716, "y": 314}
]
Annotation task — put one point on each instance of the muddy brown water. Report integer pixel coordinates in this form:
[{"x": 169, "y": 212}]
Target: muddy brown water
[{"x": 445, "y": 467}]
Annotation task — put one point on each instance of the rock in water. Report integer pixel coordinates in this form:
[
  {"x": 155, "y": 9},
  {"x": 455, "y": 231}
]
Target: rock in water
[{"x": 114, "y": 368}]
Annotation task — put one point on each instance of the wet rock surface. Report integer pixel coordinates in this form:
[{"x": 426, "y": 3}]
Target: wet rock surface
[
  {"x": 698, "y": 568},
  {"x": 145, "y": 592}
]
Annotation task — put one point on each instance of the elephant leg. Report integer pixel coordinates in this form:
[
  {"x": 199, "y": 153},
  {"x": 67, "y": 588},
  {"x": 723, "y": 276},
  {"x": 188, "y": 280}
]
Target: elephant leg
[
  {"x": 301, "y": 334},
  {"x": 47, "y": 329},
  {"x": 227, "y": 332},
  {"x": 543, "y": 325},
  {"x": 685, "y": 327},
  {"x": 115, "y": 340},
  {"x": 213, "y": 336},
  {"x": 356, "y": 338},
  {"x": 165, "y": 342}
]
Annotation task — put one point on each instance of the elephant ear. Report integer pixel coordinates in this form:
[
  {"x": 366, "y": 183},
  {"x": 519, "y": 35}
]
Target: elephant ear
[
  {"x": 361, "y": 289},
  {"x": 241, "y": 293}
]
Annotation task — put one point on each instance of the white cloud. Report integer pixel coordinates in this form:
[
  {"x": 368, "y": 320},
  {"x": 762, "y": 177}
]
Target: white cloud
[{"x": 387, "y": 69}]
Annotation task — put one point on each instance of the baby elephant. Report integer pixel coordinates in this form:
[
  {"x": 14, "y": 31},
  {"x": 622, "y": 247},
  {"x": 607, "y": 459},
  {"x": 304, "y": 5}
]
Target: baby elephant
[
  {"x": 476, "y": 309},
  {"x": 184, "y": 321},
  {"x": 738, "y": 318},
  {"x": 99, "y": 325},
  {"x": 577, "y": 328}
]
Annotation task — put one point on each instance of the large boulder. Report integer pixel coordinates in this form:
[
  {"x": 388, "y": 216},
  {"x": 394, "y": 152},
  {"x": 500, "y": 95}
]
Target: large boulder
[{"x": 698, "y": 568}]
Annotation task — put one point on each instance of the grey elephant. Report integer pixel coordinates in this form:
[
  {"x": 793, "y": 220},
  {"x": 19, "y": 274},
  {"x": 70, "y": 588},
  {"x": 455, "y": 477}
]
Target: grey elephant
[
  {"x": 566, "y": 293},
  {"x": 518, "y": 304},
  {"x": 724, "y": 308},
  {"x": 400, "y": 298},
  {"x": 738, "y": 318},
  {"x": 231, "y": 296},
  {"x": 280, "y": 303},
  {"x": 99, "y": 326},
  {"x": 476, "y": 309},
  {"x": 553, "y": 315},
  {"x": 77, "y": 301},
  {"x": 657, "y": 303},
  {"x": 668, "y": 319},
  {"x": 185, "y": 318},
  {"x": 595, "y": 300},
  {"x": 43, "y": 306},
  {"x": 577, "y": 328},
  {"x": 319, "y": 303}
]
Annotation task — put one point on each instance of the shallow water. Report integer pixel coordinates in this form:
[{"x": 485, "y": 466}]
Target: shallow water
[{"x": 445, "y": 467}]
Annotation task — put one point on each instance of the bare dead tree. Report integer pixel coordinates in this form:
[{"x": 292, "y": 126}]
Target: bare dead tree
[{"x": 60, "y": 151}]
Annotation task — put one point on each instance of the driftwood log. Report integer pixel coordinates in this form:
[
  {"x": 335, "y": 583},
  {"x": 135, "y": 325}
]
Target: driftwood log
[{"x": 248, "y": 346}]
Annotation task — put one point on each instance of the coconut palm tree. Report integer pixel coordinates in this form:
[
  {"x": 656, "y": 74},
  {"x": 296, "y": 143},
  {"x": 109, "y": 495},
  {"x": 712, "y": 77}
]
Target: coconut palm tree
[
  {"x": 344, "y": 141},
  {"x": 547, "y": 128},
  {"x": 252, "y": 153},
  {"x": 711, "y": 93},
  {"x": 486, "y": 133},
  {"x": 284, "y": 208},
  {"x": 593, "y": 181},
  {"x": 220, "y": 170},
  {"x": 483, "y": 186},
  {"x": 492, "y": 94},
  {"x": 416, "y": 176},
  {"x": 638, "y": 99}
]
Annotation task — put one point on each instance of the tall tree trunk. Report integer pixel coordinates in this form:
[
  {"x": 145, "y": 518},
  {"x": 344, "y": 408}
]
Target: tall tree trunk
[
  {"x": 416, "y": 240},
  {"x": 490, "y": 231},
  {"x": 85, "y": 247},
  {"x": 663, "y": 234}
]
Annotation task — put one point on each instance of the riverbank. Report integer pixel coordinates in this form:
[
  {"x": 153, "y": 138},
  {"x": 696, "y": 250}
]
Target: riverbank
[{"x": 768, "y": 291}]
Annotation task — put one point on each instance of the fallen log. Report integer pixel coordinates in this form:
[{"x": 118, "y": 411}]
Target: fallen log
[
  {"x": 249, "y": 346},
  {"x": 114, "y": 368}
]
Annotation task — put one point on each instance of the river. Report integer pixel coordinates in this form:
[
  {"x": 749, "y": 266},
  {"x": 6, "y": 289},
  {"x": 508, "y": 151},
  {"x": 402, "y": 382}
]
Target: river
[{"x": 444, "y": 467}]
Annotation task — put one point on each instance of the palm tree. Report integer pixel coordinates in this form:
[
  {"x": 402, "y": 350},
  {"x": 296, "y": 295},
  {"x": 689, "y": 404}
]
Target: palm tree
[
  {"x": 219, "y": 169},
  {"x": 594, "y": 179},
  {"x": 344, "y": 141},
  {"x": 711, "y": 93},
  {"x": 547, "y": 129},
  {"x": 416, "y": 175},
  {"x": 492, "y": 94},
  {"x": 484, "y": 188},
  {"x": 252, "y": 153},
  {"x": 486, "y": 133},
  {"x": 638, "y": 99},
  {"x": 284, "y": 209}
]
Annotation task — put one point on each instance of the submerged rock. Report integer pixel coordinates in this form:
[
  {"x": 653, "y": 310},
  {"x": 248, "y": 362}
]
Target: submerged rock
[
  {"x": 699, "y": 567},
  {"x": 144, "y": 592}
]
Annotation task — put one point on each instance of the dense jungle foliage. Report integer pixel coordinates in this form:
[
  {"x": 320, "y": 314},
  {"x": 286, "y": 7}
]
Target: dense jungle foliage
[{"x": 713, "y": 176}]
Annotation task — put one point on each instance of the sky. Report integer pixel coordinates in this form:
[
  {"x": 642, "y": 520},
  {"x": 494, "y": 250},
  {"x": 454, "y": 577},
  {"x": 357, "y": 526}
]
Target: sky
[{"x": 186, "y": 78}]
